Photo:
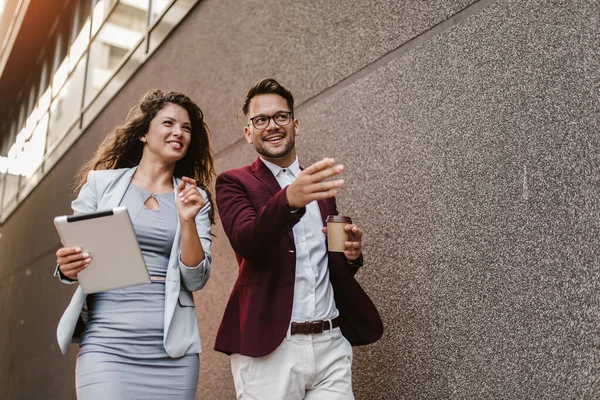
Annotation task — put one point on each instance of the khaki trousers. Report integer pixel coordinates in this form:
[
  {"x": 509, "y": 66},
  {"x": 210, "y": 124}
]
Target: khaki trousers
[{"x": 311, "y": 367}]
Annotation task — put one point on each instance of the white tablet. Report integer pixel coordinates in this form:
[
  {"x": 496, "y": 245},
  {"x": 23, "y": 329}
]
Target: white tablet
[{"x": 109, "y": 237}]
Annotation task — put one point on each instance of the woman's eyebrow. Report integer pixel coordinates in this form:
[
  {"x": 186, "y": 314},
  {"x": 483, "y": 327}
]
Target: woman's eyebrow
[{"x": 166, "y": 117}]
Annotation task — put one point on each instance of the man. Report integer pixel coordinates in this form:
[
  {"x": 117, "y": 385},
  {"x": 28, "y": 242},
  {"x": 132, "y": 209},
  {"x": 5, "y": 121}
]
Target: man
[{"x": 295, "y": 309}]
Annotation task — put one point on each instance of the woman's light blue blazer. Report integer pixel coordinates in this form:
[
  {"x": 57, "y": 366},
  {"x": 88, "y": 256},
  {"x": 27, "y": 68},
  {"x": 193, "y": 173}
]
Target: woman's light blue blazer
[{"x": 104, "y": 190}]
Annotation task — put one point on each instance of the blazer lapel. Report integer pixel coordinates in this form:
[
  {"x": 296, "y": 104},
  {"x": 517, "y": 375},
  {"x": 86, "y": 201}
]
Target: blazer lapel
[
  {"x": 119, "y": 189},
  {"x": 264, "y": 174},
  {"x": 323, "y": 207},
  {"x": 173, "y": 283},
  {"x": 176, "y": 241}
]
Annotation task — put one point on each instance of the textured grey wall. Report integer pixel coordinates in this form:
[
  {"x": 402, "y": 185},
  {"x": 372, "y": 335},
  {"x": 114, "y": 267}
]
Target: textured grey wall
[{"x": 469, "y": 134}]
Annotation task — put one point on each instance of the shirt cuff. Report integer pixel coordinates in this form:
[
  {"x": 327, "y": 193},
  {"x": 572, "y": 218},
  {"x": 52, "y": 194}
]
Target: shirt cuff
[
  {"x": 181, "y": 264},
  {"x": 358, "y": 262},
  {"x": 62, "y": 277}
]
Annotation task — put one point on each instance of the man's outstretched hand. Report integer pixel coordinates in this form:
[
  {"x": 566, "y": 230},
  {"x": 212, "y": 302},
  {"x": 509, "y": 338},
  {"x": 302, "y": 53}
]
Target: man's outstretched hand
[{"x": 310, "y": 185}]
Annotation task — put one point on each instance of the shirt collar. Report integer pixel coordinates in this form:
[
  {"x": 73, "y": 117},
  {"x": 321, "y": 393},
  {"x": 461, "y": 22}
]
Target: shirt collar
[{"x": 276, "y": 169}]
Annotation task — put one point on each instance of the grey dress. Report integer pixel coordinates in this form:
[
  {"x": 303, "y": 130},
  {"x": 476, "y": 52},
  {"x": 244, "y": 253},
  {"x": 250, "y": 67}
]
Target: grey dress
[{"x": 121, "y": 354}]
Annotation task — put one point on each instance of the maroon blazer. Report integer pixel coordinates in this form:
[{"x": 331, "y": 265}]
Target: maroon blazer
[{"x": 253, "y": 210}]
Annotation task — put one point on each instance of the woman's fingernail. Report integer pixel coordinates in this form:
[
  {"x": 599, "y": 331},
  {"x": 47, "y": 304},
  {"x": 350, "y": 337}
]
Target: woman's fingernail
[
  {"x": 78, "y": 249},
  {"x": 87, "y": 261},
  {"x": 86, "y": 255}
]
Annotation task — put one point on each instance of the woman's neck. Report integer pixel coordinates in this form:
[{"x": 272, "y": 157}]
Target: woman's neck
[{"x": 154, "y": 177}]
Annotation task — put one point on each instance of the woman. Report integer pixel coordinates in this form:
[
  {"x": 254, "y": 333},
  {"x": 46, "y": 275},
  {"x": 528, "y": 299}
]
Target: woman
[{"x": 142, "y": 341}]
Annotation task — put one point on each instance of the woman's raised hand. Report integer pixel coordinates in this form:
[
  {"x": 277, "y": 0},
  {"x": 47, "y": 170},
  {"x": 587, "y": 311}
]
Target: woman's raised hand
[{"x": 189, "y": 200}]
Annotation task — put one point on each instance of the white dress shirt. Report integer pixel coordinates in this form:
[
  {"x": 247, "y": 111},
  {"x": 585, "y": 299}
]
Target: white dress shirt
[{"x": 313, "y": 293}]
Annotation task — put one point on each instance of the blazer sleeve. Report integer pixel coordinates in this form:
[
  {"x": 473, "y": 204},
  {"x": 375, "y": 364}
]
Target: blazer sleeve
[
  {"x": 251, "y": 231},
  {"x": 85, "y": 202},
  {"x": 195, "y": 277}
]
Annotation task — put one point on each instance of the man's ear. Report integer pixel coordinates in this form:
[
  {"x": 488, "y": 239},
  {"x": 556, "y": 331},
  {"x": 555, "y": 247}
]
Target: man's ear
[
  {"x": 296, "y": 127},
  {"x": 248, "y": 134}
]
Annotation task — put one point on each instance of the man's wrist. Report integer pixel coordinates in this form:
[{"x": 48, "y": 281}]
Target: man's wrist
[
  {"x": 358, "y": 262},
  {"x": 287, "y": 204}
]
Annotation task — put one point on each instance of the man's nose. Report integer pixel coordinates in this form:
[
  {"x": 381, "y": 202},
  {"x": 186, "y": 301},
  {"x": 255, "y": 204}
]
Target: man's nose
[{"x": 272, "y": 124}]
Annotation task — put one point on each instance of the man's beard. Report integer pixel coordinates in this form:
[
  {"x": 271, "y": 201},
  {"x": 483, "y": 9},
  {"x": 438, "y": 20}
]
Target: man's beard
[{"x": 277, "y": 153}]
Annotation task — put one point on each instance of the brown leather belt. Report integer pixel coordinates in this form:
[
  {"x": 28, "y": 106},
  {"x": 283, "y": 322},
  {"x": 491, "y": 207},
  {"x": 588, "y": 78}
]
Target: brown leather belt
[{"x": 314, "y": 326}]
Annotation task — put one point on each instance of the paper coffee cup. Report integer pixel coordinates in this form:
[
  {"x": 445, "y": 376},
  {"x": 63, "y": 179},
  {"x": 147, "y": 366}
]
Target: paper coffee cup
[{"x": 336, "y": 235}]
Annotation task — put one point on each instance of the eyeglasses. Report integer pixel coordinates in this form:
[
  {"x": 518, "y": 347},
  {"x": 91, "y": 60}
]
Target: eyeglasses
[{"x": 282, "y": 118}]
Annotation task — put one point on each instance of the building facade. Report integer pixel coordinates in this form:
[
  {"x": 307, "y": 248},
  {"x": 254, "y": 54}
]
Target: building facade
[{"x": 469, "y": 132}]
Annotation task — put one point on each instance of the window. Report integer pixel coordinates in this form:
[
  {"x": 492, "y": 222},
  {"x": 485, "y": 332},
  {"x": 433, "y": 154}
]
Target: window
[
  {"x": 158, "y": 7},
  {"x": 106, "y": 38},
  {"x": 121, "y": 32},
  {"x": 80, "y": 32}
]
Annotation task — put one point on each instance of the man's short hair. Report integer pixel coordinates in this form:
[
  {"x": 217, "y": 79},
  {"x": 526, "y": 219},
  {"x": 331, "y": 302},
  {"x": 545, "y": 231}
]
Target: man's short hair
[{"x": 268, "y": 86}]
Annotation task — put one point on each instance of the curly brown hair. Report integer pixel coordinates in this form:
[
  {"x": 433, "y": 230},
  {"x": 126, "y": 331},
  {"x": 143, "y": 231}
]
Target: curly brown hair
[{"x": 122, "y": 147}]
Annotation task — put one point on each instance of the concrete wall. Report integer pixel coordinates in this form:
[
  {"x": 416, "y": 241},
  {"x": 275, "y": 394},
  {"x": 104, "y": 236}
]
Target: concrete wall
[{"x": 469, "y": 132}]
